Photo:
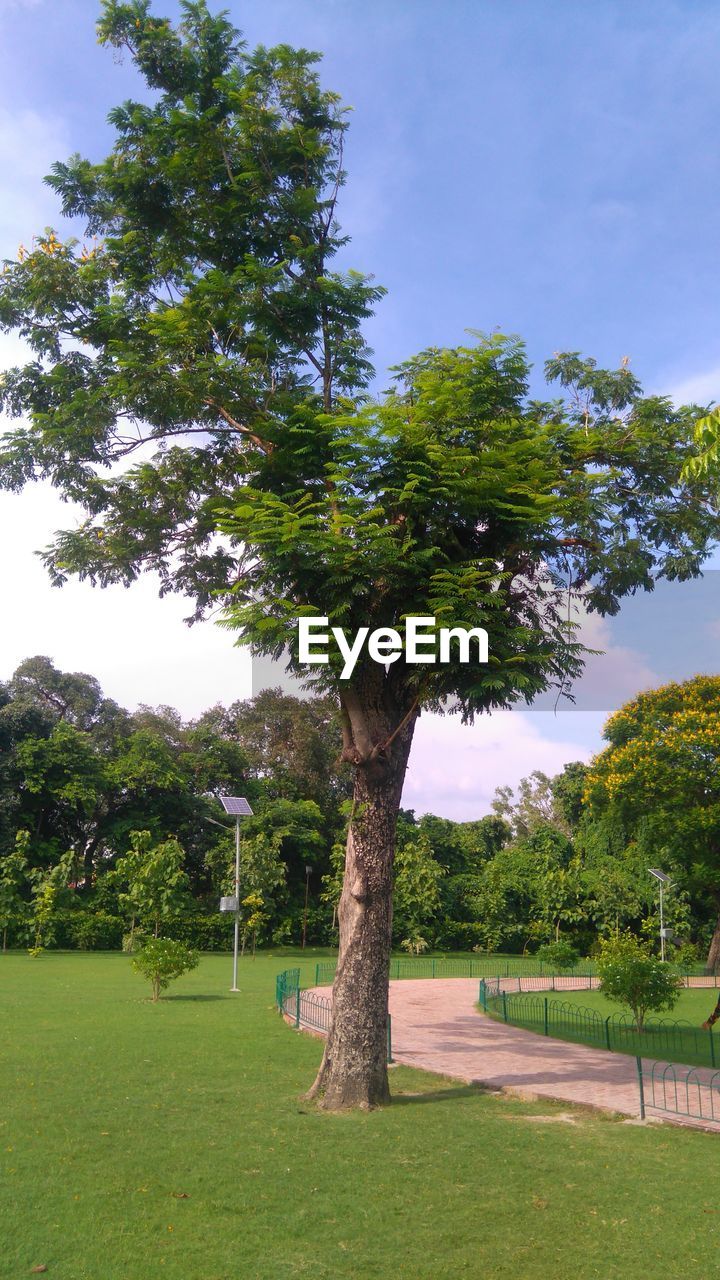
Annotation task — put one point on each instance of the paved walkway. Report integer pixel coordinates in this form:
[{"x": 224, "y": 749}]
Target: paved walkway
[{"x": 436, "y": 1027}]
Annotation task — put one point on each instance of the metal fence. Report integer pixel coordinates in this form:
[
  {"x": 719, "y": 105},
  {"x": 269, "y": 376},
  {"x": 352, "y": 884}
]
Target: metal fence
[
  {"x": 672, "y": 1038},
  {"x": 679, "y": 1091},
  {"x": 682, "y": 1091},
  {"x": 458, "y": 967},
  {"x": 309, "y": 1008},
  {"x": 487, "y": 966}
]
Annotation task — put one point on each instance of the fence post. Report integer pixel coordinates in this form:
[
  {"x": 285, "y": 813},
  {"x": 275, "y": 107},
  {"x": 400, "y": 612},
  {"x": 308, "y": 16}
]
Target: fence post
[
  {"x": 638, "y": 1064},
  {"x": 504, "y": 996},
  {"x": 297, "y": 1005},
  {"x": 712, "y": 1047},
  {"x": 317, "y": 973},
  {"x": 546, "y": 1015},
  {"x": 389, "y": 1040},
  {"x": 607, "y": 1031},
  {"x": 433, "y": 969},
  {"x": 482, "y": 995}
]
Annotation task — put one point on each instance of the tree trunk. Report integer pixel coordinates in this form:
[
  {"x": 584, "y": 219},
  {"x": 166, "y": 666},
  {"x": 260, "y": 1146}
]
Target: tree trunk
[
  {"x": 353, "y": 1072},
  {"x": 713, "y": 959}
]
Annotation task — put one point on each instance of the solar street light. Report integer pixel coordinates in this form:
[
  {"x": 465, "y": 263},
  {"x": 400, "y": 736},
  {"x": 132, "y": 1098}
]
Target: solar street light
[
  {"x": 663, "y": 880},
  {"x": 308, "y": 873},
  {"x": 235, "y": 807}
]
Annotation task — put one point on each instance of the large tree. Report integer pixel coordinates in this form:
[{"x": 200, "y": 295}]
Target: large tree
[
  {"x": 199, "y": 365},
  {"x": 658, "y": 780}
]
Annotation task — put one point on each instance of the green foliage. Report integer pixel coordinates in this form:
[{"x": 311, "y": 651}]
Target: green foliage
[
  {"x": 161, "y": 961},
  {"x": 629, "y": 975},
  {"x": 414, "y": 945},
  {"x": 707, "y": 440},
  {"x": 47, "y": 890},
  {"x": 13, "y": 877},
  {"x": 156, "y": 886},
  {"x": 658, "y": 783},
  {"x": 417, "y": 890},
  {"x": 558, "y": 955},
  {"x": 253, "y": 917}
]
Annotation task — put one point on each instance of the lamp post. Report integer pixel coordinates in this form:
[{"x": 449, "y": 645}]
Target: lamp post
[
  {"x": 662, "y": 881},
  {"x": 235, "y": 807},
  {"x": 308, "y": 871}
]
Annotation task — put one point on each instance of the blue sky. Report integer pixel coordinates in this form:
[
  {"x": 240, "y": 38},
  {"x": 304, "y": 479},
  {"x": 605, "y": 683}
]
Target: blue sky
[{"x": 547, "y": 168}]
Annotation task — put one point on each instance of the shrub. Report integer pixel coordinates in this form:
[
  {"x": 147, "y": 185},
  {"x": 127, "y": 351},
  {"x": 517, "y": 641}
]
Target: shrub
[
  {"x": 414, "y": 945},
  {"x": 686, "y": 956},
  {"x": 629, "y": 975},
  {"x": 205, "y": 932},
  {"x": 161, "y": 960},
  {"x": 558, "y": 956}
]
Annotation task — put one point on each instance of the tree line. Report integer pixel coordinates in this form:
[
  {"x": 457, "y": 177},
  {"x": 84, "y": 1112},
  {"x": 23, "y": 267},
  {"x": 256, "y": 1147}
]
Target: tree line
[{"x": 109, "y": 828}]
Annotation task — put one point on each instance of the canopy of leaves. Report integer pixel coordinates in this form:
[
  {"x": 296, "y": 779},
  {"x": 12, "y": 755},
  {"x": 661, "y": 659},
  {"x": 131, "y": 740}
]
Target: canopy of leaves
[
  {"x": 198, "y": 365},
  {"x": 659, "y": 779},
  {"x": 629, "y": 975}
]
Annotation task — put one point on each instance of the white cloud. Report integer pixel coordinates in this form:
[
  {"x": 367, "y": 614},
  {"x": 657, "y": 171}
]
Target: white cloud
[
  {"x": 29, "y": 145},
  {"x": 698, "y": 388},
  {"x": 611, "y": 676},
  {"x": 455, "y": 768},
  {"x": 136, "y": 644}
]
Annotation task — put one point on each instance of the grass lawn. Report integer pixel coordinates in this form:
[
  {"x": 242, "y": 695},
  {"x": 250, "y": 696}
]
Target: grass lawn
[
  {"x": 142, "y": 1141},
  {"x": 675, "y": 1036}
]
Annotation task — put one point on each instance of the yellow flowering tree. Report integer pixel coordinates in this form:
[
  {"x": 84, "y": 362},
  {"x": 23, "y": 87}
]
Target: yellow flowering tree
[{"x": 659, "y": 778}]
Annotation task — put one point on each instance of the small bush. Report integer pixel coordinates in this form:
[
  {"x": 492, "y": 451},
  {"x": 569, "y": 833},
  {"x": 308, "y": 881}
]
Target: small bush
[
  {"x": 629, "y": 975},
  {"x": 414, "y": 945},
  {"x": 558, "y": 956},
  {"x": 161, "y": 960},
  {"x": 686, "y": 956}
]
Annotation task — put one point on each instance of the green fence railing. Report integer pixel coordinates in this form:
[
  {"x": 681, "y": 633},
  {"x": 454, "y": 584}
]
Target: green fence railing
[
  {"x": 488, "y": 966},
  {"x": 669, "y": 1087},
  {"x": 672, "y": 1038},
  {"x": 460, "y": 967},
  {"x": 678, "y": 1090},
  {"x": 309, "y": 1008}
]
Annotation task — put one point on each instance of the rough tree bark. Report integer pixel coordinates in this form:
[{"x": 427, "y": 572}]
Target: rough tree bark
[
  {"x": 379, "y": 732},
  {"x": 713, "y": 959}
]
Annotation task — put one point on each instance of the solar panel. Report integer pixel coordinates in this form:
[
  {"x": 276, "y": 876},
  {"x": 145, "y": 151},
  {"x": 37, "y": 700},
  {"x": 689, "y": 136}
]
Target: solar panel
[{"x": 236, "y": 806}]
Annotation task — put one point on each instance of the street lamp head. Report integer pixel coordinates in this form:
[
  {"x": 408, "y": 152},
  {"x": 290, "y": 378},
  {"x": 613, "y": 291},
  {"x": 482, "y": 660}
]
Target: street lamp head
[
  {"x": 222, "y": 825},
  {"x": 308, "y": 870}
]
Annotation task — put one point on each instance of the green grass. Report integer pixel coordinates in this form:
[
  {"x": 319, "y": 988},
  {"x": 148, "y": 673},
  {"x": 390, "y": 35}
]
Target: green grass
[
  {"x": 171, "y": 1140},
  {"x": 665, "y": 1036}
]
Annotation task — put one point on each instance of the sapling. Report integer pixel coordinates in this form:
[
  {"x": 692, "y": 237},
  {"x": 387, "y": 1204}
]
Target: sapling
[{"x": 161, "y": 960}]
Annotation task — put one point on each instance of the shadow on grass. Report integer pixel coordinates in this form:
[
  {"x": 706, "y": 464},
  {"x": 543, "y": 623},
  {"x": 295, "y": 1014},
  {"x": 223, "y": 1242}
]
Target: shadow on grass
[
  {"x": 197, "y": 999},
  {"x": 440, "y": 1095}
]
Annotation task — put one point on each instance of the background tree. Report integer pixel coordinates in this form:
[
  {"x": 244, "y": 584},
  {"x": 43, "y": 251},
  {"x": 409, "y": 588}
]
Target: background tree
[
  {"x": 658, "y": 782},
  {"x": 206, "y": 321},
  {"x": 631, "y": 976},
  {"x": 13, "y": 879},
  {"x": 417, "y": 892},
  {"x": 156, "y": 886},
  {"x": 253, "y": 918},
  {"x": 47, "y": 888}
]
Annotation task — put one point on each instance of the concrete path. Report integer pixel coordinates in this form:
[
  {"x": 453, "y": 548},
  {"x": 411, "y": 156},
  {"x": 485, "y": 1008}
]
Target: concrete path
[{"x": 436, "y": 1027}]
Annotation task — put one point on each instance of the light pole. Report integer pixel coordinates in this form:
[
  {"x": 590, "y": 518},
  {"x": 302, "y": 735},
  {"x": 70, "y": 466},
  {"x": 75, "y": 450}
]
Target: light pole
[
  {"x": 308, "y": 871},
  {"x": 662, "y": 881},
  {"x": 235, "y": 807}
]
